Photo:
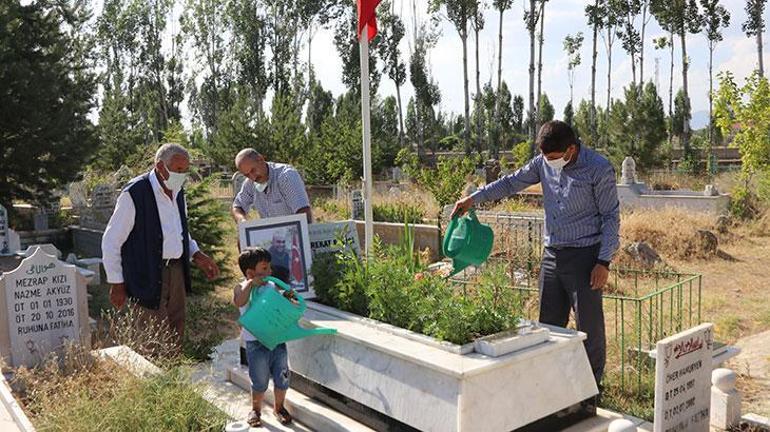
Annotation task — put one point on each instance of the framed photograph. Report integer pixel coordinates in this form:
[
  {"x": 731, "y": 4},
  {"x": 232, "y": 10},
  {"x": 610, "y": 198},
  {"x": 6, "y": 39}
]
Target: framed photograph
[{"x": 288, "y": 241}]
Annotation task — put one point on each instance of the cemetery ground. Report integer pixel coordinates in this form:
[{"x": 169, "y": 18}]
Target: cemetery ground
[{"x": 733, "y": 298}]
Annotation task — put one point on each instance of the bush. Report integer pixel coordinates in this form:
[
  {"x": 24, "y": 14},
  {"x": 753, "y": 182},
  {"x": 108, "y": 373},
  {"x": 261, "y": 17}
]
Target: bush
[
  {"x": 400, "y": 212},
  {"x": 207, "y": 220},
  {"x": 743, "y": 204},
  {"x": 521, "y": 154}
]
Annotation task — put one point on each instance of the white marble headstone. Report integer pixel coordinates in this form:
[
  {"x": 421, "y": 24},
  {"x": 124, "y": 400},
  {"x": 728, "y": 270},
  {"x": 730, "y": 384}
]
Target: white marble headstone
[
  {"x": 45, "y": 300},
  {"x": 323, "y": 236},
  {"x": 683, "y": 380},
  {"x": 5, "y": 240},
  {"x": 46, "y": 247}
]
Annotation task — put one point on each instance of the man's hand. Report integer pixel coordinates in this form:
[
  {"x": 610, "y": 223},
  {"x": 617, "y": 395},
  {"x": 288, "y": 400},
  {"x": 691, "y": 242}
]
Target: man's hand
[
  {"x": 599, "y": 276},
  {"x": 118, "y": 295},
  {"x": 206, "y": 264},
  {"x": 462, "y": 206}
]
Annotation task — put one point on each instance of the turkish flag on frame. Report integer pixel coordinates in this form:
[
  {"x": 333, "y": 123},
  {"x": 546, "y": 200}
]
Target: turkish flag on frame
[{"x": 367, "y": 16}]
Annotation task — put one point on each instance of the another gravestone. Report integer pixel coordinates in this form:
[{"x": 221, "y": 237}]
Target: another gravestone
[
  {"x": 103, "y": 199},
  {"x": 323, "y": 237},
  {"x": 77, "y": 194},
  {"x": 683, "y": 380},
  {"x": 5, "y": 237},
  {"x": 46, "y": 247},
  {"x": 46, "y": 304},
  {"x": 237, "y": 182},
  {"x": 628, "y": 171},
  {"x": 357, "y": 204}
]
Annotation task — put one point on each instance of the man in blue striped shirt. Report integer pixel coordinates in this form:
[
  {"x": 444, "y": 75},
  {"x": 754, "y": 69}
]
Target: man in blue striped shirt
[{"x": 582, "y": 219}]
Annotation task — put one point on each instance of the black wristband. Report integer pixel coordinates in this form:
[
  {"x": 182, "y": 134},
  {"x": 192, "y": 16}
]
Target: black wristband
[{"x": 604, "y": 263}]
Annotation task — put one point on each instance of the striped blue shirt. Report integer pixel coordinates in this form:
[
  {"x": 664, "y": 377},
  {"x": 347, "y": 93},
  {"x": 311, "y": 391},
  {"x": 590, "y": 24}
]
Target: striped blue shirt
[
  {"x": 285, "y": 193},
  {"x": 581, "y": 201}
]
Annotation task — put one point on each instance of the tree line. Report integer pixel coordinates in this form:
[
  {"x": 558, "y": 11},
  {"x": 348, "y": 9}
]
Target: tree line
[{"x": 98, "y": 89}]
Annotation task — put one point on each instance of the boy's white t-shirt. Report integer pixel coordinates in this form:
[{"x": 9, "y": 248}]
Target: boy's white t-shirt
[{"x": 245, "y": 334}]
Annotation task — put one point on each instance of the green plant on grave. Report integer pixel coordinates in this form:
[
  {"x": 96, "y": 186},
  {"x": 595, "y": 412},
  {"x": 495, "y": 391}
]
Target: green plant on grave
[{"x": 392, "y": 287}]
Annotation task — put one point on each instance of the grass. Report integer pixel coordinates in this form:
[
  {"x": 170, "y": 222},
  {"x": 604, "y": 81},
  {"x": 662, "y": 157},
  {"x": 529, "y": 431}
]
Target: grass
[
  {"x": 413, "y": 200},
  {"x": 82, "y": 393}
]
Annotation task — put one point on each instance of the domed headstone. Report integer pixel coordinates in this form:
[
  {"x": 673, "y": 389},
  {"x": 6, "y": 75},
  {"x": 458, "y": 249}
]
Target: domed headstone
[{"x": 628, "y": 171}]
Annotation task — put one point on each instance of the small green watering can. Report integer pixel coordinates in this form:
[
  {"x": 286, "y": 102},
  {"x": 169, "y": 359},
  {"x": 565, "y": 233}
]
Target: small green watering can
[
  {"x": 467, "y": 241},
  {"x": 273, "y": 319}
]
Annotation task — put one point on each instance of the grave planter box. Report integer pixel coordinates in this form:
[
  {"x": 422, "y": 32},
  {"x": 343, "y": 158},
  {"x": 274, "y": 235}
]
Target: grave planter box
[{"x": 436, "y": 386}]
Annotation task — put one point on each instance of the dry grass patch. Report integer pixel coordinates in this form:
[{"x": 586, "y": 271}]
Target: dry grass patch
[{"x": 672, "y": 232}]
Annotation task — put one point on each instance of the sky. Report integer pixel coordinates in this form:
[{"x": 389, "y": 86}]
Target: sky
[{"x": 735, "y": 53}]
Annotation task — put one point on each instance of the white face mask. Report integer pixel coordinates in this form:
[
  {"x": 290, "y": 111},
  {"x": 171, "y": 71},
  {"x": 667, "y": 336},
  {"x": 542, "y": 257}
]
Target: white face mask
[
  {"x": 559, "y": 163},
  {"x": 261, "y": 186},
  {"x": 175, "y": 180}
]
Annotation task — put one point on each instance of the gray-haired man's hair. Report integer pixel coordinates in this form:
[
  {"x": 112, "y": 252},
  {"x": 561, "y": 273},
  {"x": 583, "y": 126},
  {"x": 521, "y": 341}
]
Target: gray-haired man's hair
[
  {"x": 247, "y": 153},
  {"x": 166, "y": 152}
]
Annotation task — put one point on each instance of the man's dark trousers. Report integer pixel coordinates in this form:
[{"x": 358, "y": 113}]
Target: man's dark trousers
[{"x": 565, "y": 282}]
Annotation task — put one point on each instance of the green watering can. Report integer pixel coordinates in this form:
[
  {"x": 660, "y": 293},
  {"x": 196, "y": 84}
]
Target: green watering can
[
  {"x": 467, "y": 241},
  {"x": 273, "y": 319}
]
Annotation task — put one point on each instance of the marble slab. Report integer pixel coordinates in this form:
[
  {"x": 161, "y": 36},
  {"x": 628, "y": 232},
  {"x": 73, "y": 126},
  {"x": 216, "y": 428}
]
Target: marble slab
[{"x": 432, "y": 389}]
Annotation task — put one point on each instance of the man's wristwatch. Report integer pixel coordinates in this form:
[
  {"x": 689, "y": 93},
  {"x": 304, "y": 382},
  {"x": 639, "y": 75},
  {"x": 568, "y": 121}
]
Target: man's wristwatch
[{"x": 604, "y": 263}]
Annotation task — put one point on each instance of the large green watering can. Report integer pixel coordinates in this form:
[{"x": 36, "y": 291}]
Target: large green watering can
[
  {"x": 467, "y": 241},
  {"x": 273, "y": 319}
]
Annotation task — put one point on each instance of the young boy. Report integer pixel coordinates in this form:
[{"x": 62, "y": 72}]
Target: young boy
[{"x": 263, "y": 363}]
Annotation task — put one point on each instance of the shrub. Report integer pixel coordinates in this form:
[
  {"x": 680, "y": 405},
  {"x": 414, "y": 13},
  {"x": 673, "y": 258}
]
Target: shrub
[
  {"x": 400, "y": 212},
  {"x": 207, "y": 220},
  {"x": 521, "y": 154}
]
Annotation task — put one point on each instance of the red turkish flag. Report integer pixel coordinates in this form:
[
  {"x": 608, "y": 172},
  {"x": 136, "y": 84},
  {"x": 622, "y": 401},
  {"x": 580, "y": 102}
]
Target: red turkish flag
[
  {"x": 367, "y": 16},
  {"x": 297, "y": 272}
]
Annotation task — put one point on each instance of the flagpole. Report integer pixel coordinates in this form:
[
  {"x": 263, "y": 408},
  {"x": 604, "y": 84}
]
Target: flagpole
[{"x": 368, "y": 227}]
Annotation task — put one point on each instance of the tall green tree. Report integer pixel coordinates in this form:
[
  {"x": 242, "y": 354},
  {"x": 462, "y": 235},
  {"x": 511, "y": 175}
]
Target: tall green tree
[
  {"x": 664, "y": 42},
  {"x": 715, "y": 18},
  {"x": 572, "y": 46},
  {"x": 477, "y": 24},
  {"x": 546, "y": 110},
  {"x": 754, "y": 26},
  {"x": 346, "y": 42},
  {"x": 595, "y": 21},
  {"x": 682, "y": 116},
  {"x": 683, "y": 17},
  {"x": 540, "y": 40},
  {"x": 637, "y": 127},
  {"x": 501, "y": 6},
  {"x": 207, "y": 30},
  {"x": 426, "y": 91},
  {"x": 531, "y": 16},
  {"x": 48, "y": 88},
  {"x": 630, "y": 38},
  {"x": 517, "y": 114},
  {"x": 392, "y": 31},
  {"x": 249, "y": 46},
  {"x": 569, "y": 113},
  {"x": 607, "y": 19},
  {"x": 320, "y": 106},
  {"x": 459, "y": 13}
]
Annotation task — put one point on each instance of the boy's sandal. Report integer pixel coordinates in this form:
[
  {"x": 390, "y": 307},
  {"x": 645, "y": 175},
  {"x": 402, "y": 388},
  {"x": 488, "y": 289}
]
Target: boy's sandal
[
  {"x": 283, "y": 416},
  {"x": 254, "y": 419}
]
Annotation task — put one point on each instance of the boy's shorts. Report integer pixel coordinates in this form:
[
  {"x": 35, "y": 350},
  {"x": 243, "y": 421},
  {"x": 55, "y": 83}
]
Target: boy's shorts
[{"x": 264, "y": 364}]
